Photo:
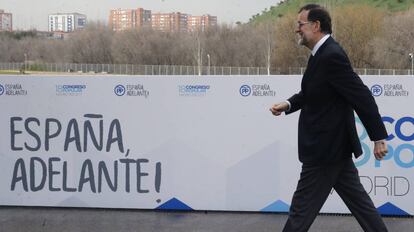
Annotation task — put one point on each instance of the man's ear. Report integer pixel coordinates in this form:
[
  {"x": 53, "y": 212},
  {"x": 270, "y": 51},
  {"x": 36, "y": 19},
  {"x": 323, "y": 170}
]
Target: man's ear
[{"x": 317, "y": 26}]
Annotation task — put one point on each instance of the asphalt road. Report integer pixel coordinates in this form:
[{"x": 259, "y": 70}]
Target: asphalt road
[{"x": 33, "y": 219}]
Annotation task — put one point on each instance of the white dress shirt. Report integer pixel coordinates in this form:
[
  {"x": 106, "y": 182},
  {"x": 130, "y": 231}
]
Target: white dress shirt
[{"x": 314, "y": 50}]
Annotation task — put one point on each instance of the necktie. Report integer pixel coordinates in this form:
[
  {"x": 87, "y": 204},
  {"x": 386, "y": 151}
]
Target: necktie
[{"x": 310, "y": 60}]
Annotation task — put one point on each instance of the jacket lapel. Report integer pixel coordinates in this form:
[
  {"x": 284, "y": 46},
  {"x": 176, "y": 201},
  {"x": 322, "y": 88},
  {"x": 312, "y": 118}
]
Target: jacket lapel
[
  {"x": 308, "y": 72},
  {"x": 313, "y": 62}
]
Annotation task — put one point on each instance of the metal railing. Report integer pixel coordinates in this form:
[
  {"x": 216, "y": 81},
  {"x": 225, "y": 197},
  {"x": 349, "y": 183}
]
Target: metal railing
[{"x": 132, "y": 69}]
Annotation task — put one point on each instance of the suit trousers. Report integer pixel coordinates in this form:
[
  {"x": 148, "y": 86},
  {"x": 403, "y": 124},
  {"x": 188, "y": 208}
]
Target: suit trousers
[{"x": 314, "y": 187}]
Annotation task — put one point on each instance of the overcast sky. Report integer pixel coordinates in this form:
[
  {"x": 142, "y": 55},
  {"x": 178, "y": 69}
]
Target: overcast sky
[{"x": 34, "y": 13}]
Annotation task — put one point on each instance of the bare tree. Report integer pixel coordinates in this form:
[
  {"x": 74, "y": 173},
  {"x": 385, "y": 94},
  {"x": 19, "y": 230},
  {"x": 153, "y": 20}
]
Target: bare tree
[
  {"x": 197, "y": 48},
  {"x": 391, "y": 49},
  {"x": 92, "y": 45},
  {"x": 287, "y": 53},
  {"x": 356, "y": 26},
  {"x": 8, "y": 51},
  {"x": 372, "y": 38},
  {"x": 267, "y": 32}
]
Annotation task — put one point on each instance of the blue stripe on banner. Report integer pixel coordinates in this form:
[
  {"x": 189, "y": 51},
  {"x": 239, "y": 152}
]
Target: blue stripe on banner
[
  {"x": 390, "y": 209},
  {"x": 174, "y": 204},
  {"x": 277, "y": 206}
]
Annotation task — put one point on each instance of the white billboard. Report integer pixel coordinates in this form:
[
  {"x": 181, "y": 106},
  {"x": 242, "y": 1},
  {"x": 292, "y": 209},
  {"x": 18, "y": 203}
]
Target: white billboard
[{"x": 174, "y": 142}]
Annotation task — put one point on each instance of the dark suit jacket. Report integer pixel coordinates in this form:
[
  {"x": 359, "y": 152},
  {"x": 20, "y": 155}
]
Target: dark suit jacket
[{"x": 330, "y": 92}]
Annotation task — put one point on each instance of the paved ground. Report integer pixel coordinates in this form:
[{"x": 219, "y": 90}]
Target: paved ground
[{"x": 32, "y": 219}]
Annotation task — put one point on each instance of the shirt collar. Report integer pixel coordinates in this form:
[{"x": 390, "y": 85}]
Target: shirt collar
[{"x": 319, "y": 44}]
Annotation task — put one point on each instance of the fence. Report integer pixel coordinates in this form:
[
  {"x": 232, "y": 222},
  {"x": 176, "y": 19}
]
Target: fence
[{"x": 132, "y": 69}]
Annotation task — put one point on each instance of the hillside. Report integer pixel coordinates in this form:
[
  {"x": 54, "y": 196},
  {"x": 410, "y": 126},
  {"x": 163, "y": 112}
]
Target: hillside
[{"x": 286, "y": 6}]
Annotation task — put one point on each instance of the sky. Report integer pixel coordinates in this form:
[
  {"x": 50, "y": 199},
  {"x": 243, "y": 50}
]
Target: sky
[{"x": 33, "y": 14}]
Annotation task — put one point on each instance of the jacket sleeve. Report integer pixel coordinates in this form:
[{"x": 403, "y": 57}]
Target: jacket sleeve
[
  {"x": 296, "y": 102},
  {"x": 350, "y": 86}
]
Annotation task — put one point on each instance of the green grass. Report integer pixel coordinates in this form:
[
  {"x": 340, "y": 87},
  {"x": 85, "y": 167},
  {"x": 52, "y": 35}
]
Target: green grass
[
  {"x": 288, "y": 6},
  {"x": 5, "y": 72}
]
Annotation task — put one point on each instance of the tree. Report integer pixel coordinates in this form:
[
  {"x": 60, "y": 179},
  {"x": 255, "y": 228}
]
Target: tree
[
  {"x": 392, "y": 47},
  {"x": 267, "y": 34},
  {"x": 91, "y": 45},
  {"x": 287, "y": 53},
  {"x": 355, "y": 28}
]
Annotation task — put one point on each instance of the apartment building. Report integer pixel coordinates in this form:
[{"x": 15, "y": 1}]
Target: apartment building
[
  {"x": 201, "y": 23},
  {"x": 169, "y": 22},
  {"x": 6, "y": 21},
  {"x": 127, "y": 19},
  {"x": 66, "y": 22}
]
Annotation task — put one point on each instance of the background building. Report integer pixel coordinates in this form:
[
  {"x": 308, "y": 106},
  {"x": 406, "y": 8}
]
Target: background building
[
  {"x": 179, "y": 22},
  {"x": 169, "y": 22},
  {"x": 143, "y": 18},
  {"x": 66, "y": 22},
  {"x": 201, "y": 23},
  {"x": 161, "y": 22},
  {"x": 127, "y": 19},
  {"x": 6, "y": 21}
]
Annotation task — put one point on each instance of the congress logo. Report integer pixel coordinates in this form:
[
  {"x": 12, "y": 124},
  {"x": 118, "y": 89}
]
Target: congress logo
[
  {"x": 193, "y": 90},
  {"x": 376, "y": 90},
  {"x": 245, "y": 90},
  {"x": 119, "y": 90},
  {"x": 70, "y": 90},
  {"x": 1, "y": 90}
]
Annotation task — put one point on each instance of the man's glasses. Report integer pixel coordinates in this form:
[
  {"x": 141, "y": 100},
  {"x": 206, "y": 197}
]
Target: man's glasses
[{"x": 299, "y": 24}]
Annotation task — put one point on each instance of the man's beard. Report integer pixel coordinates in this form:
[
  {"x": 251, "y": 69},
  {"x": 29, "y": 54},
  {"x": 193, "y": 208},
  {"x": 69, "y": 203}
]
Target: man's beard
[{"x": 302, "y": 41}]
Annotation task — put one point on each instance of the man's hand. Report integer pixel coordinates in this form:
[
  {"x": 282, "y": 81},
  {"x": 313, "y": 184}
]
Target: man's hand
[
  {"x": 278, "y": 108},
  {"x": 380, "y": 149}
]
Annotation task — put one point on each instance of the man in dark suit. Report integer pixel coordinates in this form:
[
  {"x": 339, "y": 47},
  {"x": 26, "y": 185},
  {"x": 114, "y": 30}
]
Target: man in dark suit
[{"x": 327, "y": 136}]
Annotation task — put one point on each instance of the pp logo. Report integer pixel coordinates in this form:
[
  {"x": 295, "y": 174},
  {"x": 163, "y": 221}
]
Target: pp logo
[
  {"x": 1, "y": 90},
  {"x": 119, "y": 90},
  {"x": 376, "y": 90},
  {"x": 245, "y": 90}
]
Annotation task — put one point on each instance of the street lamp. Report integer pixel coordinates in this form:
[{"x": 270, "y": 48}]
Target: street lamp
[
  {"x": 412, "y": 63},
  {"x": 208, "y": 59}
]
